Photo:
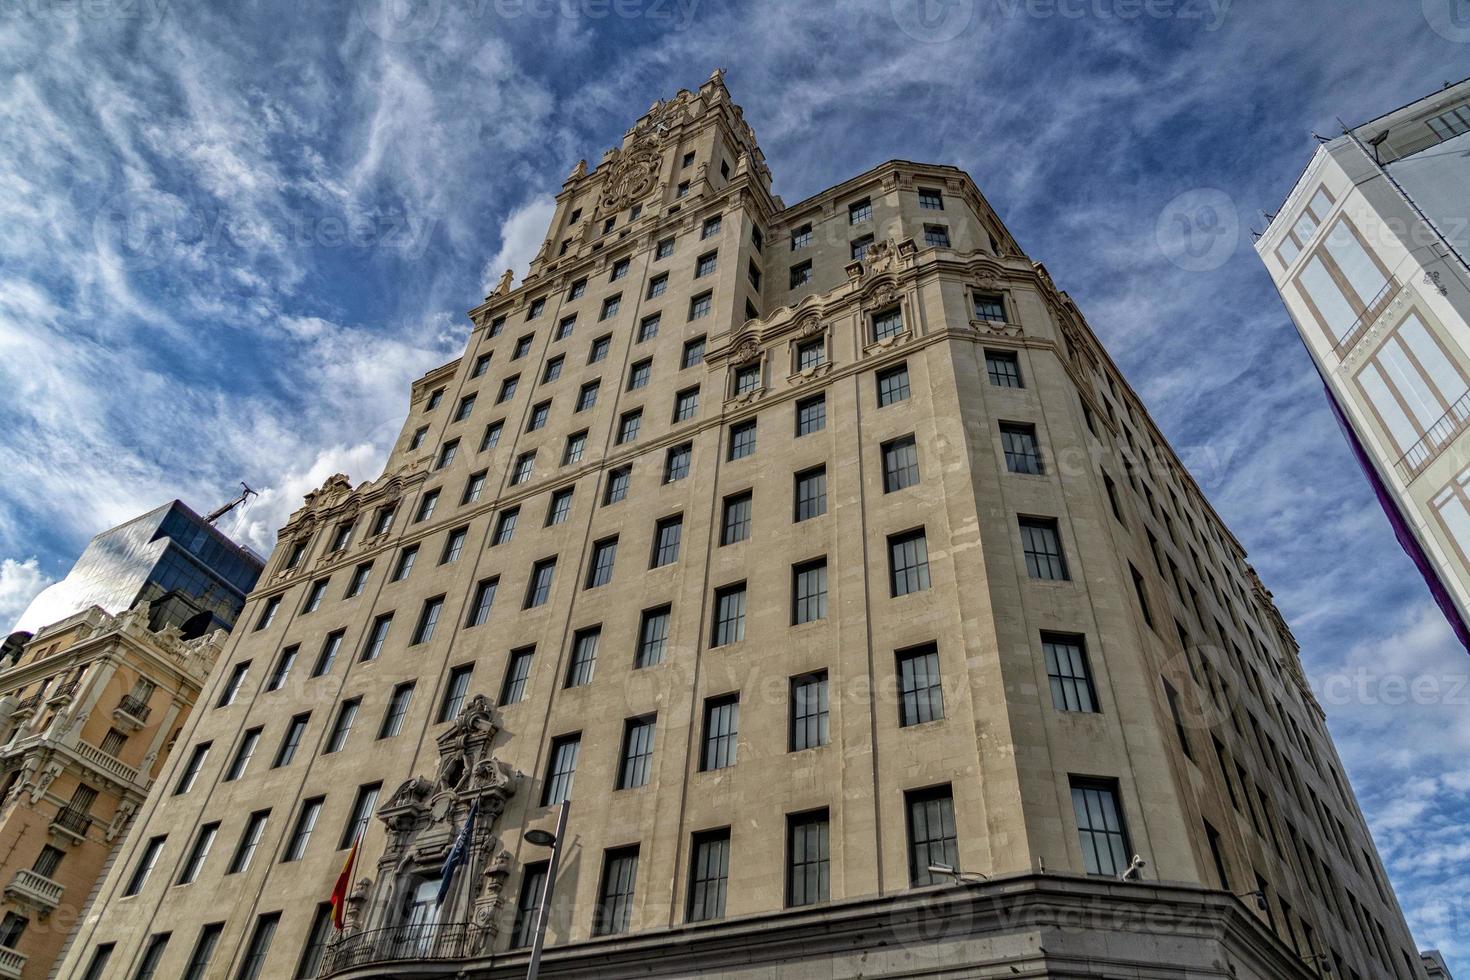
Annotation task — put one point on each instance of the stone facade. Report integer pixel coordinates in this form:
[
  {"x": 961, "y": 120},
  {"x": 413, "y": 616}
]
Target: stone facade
[
  {"x": 91, "y": 708},
  {"x": 1005, "y": 597}
]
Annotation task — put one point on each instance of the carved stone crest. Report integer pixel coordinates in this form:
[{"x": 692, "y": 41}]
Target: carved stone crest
[
  {"x": 633, "y": 176},
  {"x": 746, "y": 351}
]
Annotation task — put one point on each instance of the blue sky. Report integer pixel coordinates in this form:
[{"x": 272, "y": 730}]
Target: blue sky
[{"x": 231, "y": 234}]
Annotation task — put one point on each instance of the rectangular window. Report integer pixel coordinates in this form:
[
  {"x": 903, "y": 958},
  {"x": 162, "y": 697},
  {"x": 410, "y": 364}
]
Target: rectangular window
[
  {"x": 383, "y": 520},
  {"x": 203, "y": 951},
  {"x": 629, "y": 424},
  {"x": 747, "y": 378},
  {"x": 455, "y": 692},
  {"x": 318, "y": 938},
  {"x": 466, "y": 406},
  {"x": 508, "y": 389},
  {"x": 584, "y": 657},
  {"x": 417, "y": 439},
  {"x": 615, "y": 895},
  {"x": 686, "y": 405},
  {"x": 427, "y": 503},
  {"x": 1068, "y": 671},
  {"x": 700, "y": 305},
  {"x": 811, "y": 354},
  {"x": 893, "y": 385},
  {"x": 539, "y": 589},
  {"x": 653, "y": 637},
  {"x": 658, "y": 285},
  {"x": 252, "y": 967},
  {"x": 711, "y": 227},
  {"x": 405, "y": 562},
  {"x": 639, "y": 374},
  {"x": 617, "y": 485},
  {"x": 709, "y": 875},
  {"x": 753, "y": 274},
  {"x": 528, "y": 906},
  {"x": 423, "y": 631},
  {"x": 932, "y": 839},
  {"x": 363, "y": 806},
  {"x": 921, "y": 698},
  {"x": 936, "y": 236},
  {"x": 525, "y": 466},
  {"x": 735, "y": 526},
  {"x": 398, "y": 703},
  {"x": 810, "y": 494},
  {"x": 505, "y": 526},
  {"x": 342, "y": 536},
  {"x": 96, "y": 966},
  {"x": 801, "y": 237},
  {"x": 232, "y": 686},
  {"x": 665, "y": 249},
  {"x": 860, "y": 211},
  {"x": 637, "y": 756},
  {"x": 729, "y": 615},
  {"x": 284, "y": 663},
  {"x": 721, "y": 732},
  {"x": 809, "y": 592},
  {"x": 1018, "y": 441},
  {"x": 144, "y": 867},
  {"x": 342, "y": 727},
  {"x": 858, "y": 247},
  {"x": 517, "y": 673},
  {"x": 539, "y": 415},
  {"x": 243, "y": 754},
  {"x": 666, "y": 536},
  {"x": 908, "y": 563},
  {"x": 811, "y": 415},
  {"x": 599, "y": 349},
  {"x": 801, "y": 274},
  {"x": 989, "y": 306},
  {"x": 1042, "y": 545},
  {"x": 553, "y": 369},
  {"x": 1100, "y": 828},
  {"x": 619, "y": 270},
  {"x": 561, "y": 769},
  {"x": 587, "y": 396},
  {"x": 900, "y": 464},
  {"x": 560, "y": 507},
  {"x": 314, "y": 596},
  {"x": 676, "y": 465},
  {"x": 693, "y": 353},
  {"x": 453, "y": 545},
  {"x": 604, "y": 554},
  {"x": 930, "y": 199},
  {"x": 249, "y": 841},
  {"x": 268, "y": 612},
  {"x": 809, "y": 714},
  {"x": 147, "y": 966},
  {"x": 491, "y": 439},
  {"x": 887, "y": 324},
  {"x": 198, "y": 853},
  {"x": 295, "y": 731},
  {"x": 1171, "y": 695},
  {"x": 359, "y": 580},
  {"x": 537, "y": 306},
  {"x": 190, "y": 775},
  {"x": 522, "y": 347},
  {"x": 1141, "y": 592},
  {"x": 705, "y": 265},
  {"x": 807, "y": 858},
  {"x": 1003, "y": 369},
  {"x": 648, "y": 328},
  {"x": 742, "y": 440},
  {"x": 565, "y": 327},
  {"x": 447, "y": 453}
]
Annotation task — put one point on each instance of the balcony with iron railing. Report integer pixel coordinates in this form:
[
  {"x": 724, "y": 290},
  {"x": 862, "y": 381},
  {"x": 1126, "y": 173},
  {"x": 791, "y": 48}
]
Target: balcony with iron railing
[
  {"x": 27, "y": 703},
  {"x": 135, "y": 708},
  {"x": 63, "y": 691},
  {"x": 1436, "y": 439},
  {"x": 35, "y": 889},
  {"x": 1367, "y": 318},
  {"x": 73, "y": 821},
  {"x": 428, "y": 941}
]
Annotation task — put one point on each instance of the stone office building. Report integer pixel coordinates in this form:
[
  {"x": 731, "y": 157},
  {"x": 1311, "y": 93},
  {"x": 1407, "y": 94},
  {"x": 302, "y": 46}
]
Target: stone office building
[{"x": 810, "y": 550}]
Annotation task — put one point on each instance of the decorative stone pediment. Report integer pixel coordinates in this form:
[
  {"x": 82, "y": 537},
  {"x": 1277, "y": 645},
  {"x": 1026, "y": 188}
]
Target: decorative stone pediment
[{"x": 331, "y": 493}]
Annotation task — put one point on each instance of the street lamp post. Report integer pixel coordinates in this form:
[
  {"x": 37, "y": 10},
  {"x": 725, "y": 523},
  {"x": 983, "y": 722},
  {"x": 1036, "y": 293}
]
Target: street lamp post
[{"x": 541, "y": 838}]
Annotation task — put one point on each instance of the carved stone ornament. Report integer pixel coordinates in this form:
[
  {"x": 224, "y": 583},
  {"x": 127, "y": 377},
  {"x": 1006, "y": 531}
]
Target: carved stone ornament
[
  {"x": 746, "y": 351},
  {"x": 506, "y": 279},
  {"x": 810, "y": 327},
  {"x": 333, "y": 491},
  {"x": 579, "y": 171},
  {"x": 881, "y": 257},
  {"x": 633, "y": 176}
]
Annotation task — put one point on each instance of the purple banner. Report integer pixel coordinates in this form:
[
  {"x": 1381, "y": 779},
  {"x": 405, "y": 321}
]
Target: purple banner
[{"x": 1401, "y": 529}]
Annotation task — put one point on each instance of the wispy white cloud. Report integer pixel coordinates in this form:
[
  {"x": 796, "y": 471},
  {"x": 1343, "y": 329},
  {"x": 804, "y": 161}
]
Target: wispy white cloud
[{"x": 20, "y": 581}]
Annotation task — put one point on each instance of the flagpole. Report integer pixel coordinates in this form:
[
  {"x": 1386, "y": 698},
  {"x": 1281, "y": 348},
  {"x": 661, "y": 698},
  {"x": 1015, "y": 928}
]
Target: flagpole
[{"x": 545, "y": 909}]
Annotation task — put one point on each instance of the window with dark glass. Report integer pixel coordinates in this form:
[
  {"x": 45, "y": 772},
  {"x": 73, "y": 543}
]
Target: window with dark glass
[
  {"x": 636, "y": 761},
  {"x": 295, "y": 731},
  {"x": 1042, "y": 546},
  {"x": 931, "y": 199},
  {"x": 711, "y": 227},
  {"x": 435, "y": 397},
  {"x": 666, "y": 536},
  {"x": 900, "y": 464},
  {"x": 483, "y": 599},
  {"x": 203, "y": 951},
  {"x": 539, "y": 414},
  {"x": 705, "y": 264},
  {"x": 318, "y": 937},
  {"x": 921, "y": 697},
  {"x": 505, "y": 526},
  {"x": 331, "y": 646},
  {"x": 809, "y": 711},
  {"x": 268, "y": 612},
  {"x": 1003, "y": 369},
  {"x": 742, "y": 440},
  {"x": 455, "y": 692},
  {"x": 686, "y": 404},
  {"x": 539, "y": 589},
  {"x": 405, "y": 562},
  {"x": 423, "y": 631},
  {"x": 801, "y": 237},
  {"x": 565, "y": 327},
  {"x": 342, "y": 727},
  {"x": 525, "y": 465},
  {"x": 619, "y": 270},
  {"x": 610, "y": 307},
  {"x": 653, "y": 637},
  {"x": 709, "y": 875},
  {"x": 232, "y": 686},
  {"x": 809, "y": 592},
  {"x": 1068, "y": 672},
  {"x": 398, "y": 703},
  {"x": 807, "y": 858},
  {"x": 491, "y": 439},
  {"x": 700, "y": 305},
  {"x": 810, "y": 493},
  {"x": 860, "y": 211},
  {"x": 249, "y": 841},
  {"x": 517, "y": 672},
  {"x": 599, "y": 349},
  {"x": 508, "y": 389},
  {"x": 747, "y": 378},
  {"x": 561, "y": 769},
  {"x": 665, "y": 249},
  {"x": 418, "y": 437},
  {"x": 560, "y": 507},
  {"x": 693, "y": 353},
  {"x": 936, "y": 236},
  {"x": 721, "y": 732},
  {"x": 617, "y": 485},
  {"x": 1100, "y": 828},
  {"x": 198, "y": 853},
  {"x": 522, "y": 347},
  {"x": 990, "y": 306},
  {"x": 639, "y": 374},
  {"x": 427, "y": 503},
  {"x": 584, "y": 656},
  {"x": 282, "y": 670},
  {"x": 604, "y": 553},
  {"x": 753, "y": 274},
  {"x": 887, "y": 324},
  {"x": 301, "y": 833},
  {"x": 466, "y": 406},
  {"x": 735, "y": 525},
  {"x": 191, "y": 771},
  {"x": 658, "y": 285},
  {"x": 553, "y": 369},
  {"x": 1018, "y": 441},
  {"x": 729, "y": 614},
  {"x": 629, "y": 424},
  {"x": 453, "y": 545},
  {"x": 932, "y": 838},
  {"x": 615, "y": 895},
  {"x": 144, "y": 866},
  {"x": 858, "y": 247},
  {"x": 676, "y": 464},
  {"x": 908, "y": 562},
  {"x": 800, "y": 274}
]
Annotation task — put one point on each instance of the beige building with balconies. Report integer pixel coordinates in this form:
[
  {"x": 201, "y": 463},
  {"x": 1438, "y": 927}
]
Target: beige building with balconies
[
  {"x": 92, "y": 706},
  {"x": 820, "y": 559},
  {"x": 1369, "y": 254}
]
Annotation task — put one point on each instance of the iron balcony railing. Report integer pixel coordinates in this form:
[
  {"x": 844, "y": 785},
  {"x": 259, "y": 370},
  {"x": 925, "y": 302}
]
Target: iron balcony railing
[
  {"x": 1439, "y": 435},
  {"x": 136, "y": 707},
  {"x": 433, "y": 941},
  {"x": 30, "y": 702},
  {"x": 1366, "y": 319},
  {"x": 63, "y": 690},
  {"x": 72, "y": 819}
]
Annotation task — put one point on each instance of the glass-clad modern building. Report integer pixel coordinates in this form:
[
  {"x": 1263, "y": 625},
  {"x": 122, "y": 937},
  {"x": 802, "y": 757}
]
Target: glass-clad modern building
[{"x": 194, "y": 577}]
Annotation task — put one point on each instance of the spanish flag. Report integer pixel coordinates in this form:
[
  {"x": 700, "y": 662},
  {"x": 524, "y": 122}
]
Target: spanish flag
[{"x": 343, "y": 886}]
